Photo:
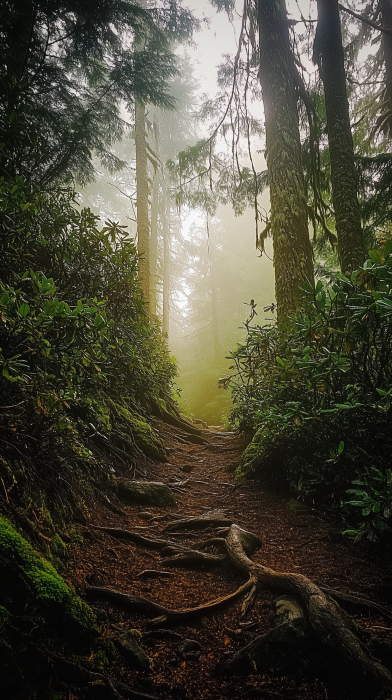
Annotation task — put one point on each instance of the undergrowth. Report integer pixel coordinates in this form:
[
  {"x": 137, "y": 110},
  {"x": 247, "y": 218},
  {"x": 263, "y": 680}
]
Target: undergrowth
[
  {"x": 315, "y": 397},
  {"x": 81, "y": 365}
]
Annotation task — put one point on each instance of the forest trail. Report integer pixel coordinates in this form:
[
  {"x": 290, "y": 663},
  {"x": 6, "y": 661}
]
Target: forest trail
[{"x": 294, "y": 539}]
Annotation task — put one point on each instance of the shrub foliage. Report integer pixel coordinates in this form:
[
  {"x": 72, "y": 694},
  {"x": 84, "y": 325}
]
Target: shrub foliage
[
  {"x": 316, "y": 396},
  {"x": 76, "y": 345}
]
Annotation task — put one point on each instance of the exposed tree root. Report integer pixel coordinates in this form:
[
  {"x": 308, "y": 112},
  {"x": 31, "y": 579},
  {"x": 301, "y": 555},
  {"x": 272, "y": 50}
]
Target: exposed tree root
[
  {"x": 264, "y": 654},
  {"x": 143, "y": 605},
  {"x": 357, "y": 601},
  {"x": 133, "y": 537},
  {"x": 248, "y": 601},
  {"x": 74, "y": 676},
  {"x": 153, "y": 573},
  {"x": 125, "y": 601},
  {"x": 306, "y": 614},
  {"x": 194, "y": 557},
  {"x": 218, "y": 542},
  {"x": 212, "y": 519},
  {"x": 326, "y": 621}
]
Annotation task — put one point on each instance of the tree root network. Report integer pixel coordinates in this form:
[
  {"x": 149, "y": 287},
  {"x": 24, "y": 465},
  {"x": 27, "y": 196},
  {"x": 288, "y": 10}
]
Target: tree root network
[{"x": 307, "y": 616}]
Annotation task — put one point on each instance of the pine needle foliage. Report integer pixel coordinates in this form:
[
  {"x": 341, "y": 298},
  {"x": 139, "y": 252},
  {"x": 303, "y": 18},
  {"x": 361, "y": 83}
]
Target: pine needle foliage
[{"x": 66, "y": 68}]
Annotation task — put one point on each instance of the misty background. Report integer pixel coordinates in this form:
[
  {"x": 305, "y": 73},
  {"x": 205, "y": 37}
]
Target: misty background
[{"x": 205, "y": 269}]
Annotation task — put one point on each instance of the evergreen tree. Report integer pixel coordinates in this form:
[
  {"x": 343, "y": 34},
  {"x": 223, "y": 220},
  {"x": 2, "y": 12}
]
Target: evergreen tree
[
  {"x": 66, "y": 68},
  {"x": 142, "y": 199},
  {"x": 289, "y": 220},
  {"x": 328, "y": 53}
]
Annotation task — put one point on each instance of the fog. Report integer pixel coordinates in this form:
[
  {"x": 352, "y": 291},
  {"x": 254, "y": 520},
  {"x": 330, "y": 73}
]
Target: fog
[{"x": 204, "y": 269}]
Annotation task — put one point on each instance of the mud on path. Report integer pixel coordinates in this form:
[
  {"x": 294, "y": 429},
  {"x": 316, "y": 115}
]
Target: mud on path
[{"x": 294, "y": 540}]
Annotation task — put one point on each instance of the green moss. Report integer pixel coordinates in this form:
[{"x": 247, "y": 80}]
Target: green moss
[
  {"x": 297, "y": 508},
  {"x": 43, "y": 578},
  {"x": 251, "y": 455},
  {"x": 58, "y": 547},
  {"x": 103, "y": 653},
  {"x": 72, "y": 534},
  {"x": 145, "y": 437},
  {"x": 166, "y": 408}
]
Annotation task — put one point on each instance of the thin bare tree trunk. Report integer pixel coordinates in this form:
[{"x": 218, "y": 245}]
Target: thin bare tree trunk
[
  {"x": 289, "y": 220},
  {"x": 214, "y": 301},
  {"x": 154, "y": 245},
  {"x": 142, "y": 191},
  {"x": 166, "y": 262}
]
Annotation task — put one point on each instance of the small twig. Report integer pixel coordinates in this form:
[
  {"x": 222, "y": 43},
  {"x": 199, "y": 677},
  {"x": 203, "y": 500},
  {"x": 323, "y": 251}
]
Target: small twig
[
  {"x": 188, "y": 533},
  {"x": 146, "y": 527},
  {"x": 312, "y": 539},
  {"x": 356, "y": 600},
  {"x": 5, "y": 491},
  {"x": 325, "y": 691},
  {"x": 153, "y": 573},
  {"x": 248, "y": 601},
  {"x": 378, "y": 627}
]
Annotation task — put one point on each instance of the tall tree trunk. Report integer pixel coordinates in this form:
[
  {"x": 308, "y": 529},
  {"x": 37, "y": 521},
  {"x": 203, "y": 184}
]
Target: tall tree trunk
[
  {"x": 166, "y": 262},
  {"x": 154, "y": 245},
  {"x": 386, "y": 45},
  {"x": 328, "y": 53},
  {"x": 289, "y": 221},
  {"x": 142, "y": 191},
  {"x": 214, "y": 301}
]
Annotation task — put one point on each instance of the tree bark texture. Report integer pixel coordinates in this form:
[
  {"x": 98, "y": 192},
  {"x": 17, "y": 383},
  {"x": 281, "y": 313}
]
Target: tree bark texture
[
  {"x": 289, "y": 221},
  {"x": 166, "y": 261},
  {"x": 214, "y": 300},
  {"x": 142, "y": 191},
  {"x": 154, "y": 245},
  {"x": 330, "y": 58},
  {"x": 386, "y": 45}
]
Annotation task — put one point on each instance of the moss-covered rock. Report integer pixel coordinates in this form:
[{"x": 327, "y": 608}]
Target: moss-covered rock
[
  {"x": 147, "y": 493},
  {"x": 129, "y": 647},
  {"x": 145, "y": 437},
  {"x": 48, "y": 587}
]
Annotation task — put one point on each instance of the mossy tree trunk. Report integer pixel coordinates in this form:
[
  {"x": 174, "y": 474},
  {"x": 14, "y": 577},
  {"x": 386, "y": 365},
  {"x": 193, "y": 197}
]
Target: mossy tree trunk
[
  {"x": 142, "y": 205},
  {"x": 289, "y": 221},
  {"x": 329, "y": 55}
]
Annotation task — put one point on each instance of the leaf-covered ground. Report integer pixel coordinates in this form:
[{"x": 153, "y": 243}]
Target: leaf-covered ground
[{"x": 294, "y": 540}]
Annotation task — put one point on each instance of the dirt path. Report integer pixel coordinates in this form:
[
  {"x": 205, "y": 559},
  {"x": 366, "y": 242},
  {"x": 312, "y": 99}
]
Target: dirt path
[{"x": 294, "y": 540}]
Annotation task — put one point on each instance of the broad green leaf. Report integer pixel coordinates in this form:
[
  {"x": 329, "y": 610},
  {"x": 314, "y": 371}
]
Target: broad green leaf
[{"x": 24, "y": 310}]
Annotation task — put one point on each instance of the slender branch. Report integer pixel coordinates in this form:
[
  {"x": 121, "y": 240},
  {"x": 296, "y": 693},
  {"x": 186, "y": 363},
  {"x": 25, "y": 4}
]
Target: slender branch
[
  {"x": 73, "y": 31},
  {"x": 366, "y": 20},
  {"x": 33, "y": 20},
  {"x": 236, "y": 62}
]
